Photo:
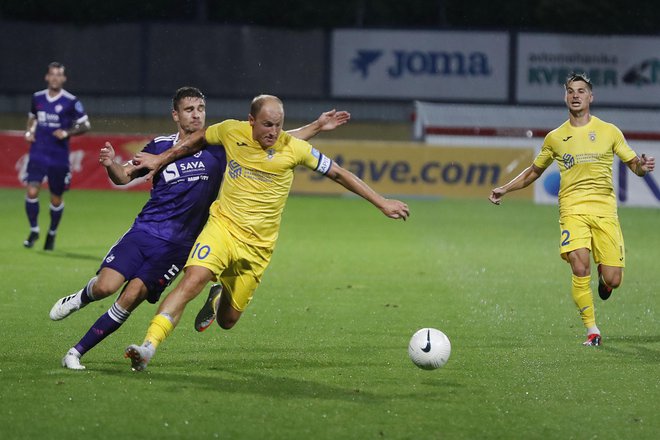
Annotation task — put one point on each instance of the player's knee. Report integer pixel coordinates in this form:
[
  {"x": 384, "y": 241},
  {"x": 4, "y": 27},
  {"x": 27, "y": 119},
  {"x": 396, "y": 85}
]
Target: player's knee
[
  {"x": 228, "y": 318},
  {"x": 614, "y": 280},
  {"x": 613, "y": 276},
  {"x": 103, "y": 289},
  {"x": 227, "y": 323},
  {"x": 581, "y": 271}
]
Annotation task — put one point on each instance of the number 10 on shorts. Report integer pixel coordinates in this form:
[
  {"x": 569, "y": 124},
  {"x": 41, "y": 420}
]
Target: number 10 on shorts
[{"x": 200, "y": 252}]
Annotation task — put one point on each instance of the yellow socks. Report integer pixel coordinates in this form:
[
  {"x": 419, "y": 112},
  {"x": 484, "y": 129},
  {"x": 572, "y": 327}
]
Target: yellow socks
[
  {"x": 159, "y": 329},
  {"x": 584, "y": 300}
]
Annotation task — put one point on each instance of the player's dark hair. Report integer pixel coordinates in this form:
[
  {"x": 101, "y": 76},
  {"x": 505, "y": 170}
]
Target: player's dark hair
[
  {"x": 259, "y": 102},
  {"x": 186, "y": 92},
  {"x": 54, "y": 65},
  {"x": 575, "y": 76}
]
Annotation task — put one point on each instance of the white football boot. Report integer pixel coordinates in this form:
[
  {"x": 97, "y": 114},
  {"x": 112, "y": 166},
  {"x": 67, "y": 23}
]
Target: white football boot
[
  {"x": 66, "y": 306},
  {"x": 71, "y": 360}
]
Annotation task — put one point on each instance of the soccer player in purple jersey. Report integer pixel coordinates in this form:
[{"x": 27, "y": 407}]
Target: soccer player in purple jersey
[
  {"x": 148, "y": 257},
  {"x": 54, "y": 117}
]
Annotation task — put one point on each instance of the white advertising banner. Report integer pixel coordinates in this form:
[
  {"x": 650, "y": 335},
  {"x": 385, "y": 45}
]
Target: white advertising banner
[
  {"x": 420, "y": 65},
  {"x": 631, "y": 190},
  {"x": 625, "y": 70}
]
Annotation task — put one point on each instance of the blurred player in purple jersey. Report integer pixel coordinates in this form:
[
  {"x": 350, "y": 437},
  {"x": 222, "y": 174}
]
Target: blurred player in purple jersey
[
  {"x": 54, "y": 117},
  {"x": 149, "y": 256}
]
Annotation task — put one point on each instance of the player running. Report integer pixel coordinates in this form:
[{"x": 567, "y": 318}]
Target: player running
[{"x": 584, "y": 148}]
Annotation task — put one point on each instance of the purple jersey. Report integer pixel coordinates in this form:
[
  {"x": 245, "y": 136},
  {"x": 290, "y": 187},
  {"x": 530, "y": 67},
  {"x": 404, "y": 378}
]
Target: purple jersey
[
  {"x": 182, "y": 193},
  {"x": 60, "y": 112}
]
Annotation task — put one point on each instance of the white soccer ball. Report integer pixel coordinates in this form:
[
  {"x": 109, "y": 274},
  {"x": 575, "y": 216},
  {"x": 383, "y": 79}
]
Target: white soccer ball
[{"x": 429, "y": 348}]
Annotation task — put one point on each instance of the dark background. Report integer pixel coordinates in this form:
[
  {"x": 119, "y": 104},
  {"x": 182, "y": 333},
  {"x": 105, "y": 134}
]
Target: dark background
[
  {"x": 581, "y": 16},
  {"x": 125, "y": 57}
]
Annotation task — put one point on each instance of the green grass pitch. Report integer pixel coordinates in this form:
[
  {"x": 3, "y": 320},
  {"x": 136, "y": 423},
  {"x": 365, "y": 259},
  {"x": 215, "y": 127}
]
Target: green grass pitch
[{"x": 321, "y": 353}]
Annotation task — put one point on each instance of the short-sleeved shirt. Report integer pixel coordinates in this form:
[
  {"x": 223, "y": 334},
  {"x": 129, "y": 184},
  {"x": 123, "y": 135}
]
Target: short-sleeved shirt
[
  {"x": 52, "y": 113},
  {"x": 585, "y": 156},
  {"x": 258, "y": 180},
  {"x": 182, "y": 193}
]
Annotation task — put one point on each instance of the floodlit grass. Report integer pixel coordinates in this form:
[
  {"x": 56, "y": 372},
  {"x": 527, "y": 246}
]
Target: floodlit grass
[{"x": 321, "y": 353}]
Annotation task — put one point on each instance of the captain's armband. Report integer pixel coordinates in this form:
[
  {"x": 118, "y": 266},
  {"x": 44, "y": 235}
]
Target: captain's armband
[{"x": 324, "y": 164}]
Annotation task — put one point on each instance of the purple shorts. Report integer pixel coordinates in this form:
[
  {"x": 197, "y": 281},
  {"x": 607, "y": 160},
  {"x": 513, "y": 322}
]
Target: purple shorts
[
  {"x": 59, "y": 178},
  {"x": 154, "y": 261}
]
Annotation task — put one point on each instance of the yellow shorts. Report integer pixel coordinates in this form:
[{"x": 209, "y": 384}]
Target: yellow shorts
[
  {"x": 601, "y": 235},
  {"x": 237, "y": 265}
]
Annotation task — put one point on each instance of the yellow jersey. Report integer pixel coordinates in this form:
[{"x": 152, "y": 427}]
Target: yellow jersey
[
  {"x": 585, "y": 156},
  {"x": 257, "y": 180}
]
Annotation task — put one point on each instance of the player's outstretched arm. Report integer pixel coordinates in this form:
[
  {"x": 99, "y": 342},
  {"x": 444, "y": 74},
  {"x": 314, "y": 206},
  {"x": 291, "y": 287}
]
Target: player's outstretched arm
[
  {"x": 327, "y": 121},
  {"x": 642, "y": 165},
  {"x": 119, "y": 174},
  {"x": 390, "y": 207},
  {"x": 522, "y": 180},
  {"x": 186, "y": 146}
]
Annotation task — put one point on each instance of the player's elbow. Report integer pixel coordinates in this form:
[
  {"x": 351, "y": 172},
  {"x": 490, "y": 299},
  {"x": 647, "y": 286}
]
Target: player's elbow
[{"x": 121, "y": 179}]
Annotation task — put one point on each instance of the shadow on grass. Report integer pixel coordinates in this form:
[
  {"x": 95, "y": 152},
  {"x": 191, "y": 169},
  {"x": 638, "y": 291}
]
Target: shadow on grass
[
  {"x": 272, "y": 383},
  {"x": 71, "y": 255},
  {"x": 637, "y": 346}
]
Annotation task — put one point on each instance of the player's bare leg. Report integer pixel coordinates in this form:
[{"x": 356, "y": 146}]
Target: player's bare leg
[
  {"x": 609, "y": 278},
  {"x": 228, "y": 316},
  {"x": 193, "y": 282}
]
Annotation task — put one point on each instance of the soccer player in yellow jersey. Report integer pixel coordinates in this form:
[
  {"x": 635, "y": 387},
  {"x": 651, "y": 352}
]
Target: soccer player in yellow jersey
[
  {"x": 236, "y": 244},
  {"x": 584, "y": 148}
]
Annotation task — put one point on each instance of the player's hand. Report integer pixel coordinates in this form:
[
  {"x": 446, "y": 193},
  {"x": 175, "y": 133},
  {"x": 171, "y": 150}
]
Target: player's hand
[
  {"x": 332, "y": 119},
  {"x": 147, "y": 161},
  {"x": 60, "y": 134},
  {"x": 647, "y": 163},
  {"x": 395, "y": 209},
  {"x": 29, "y": 136},
  {"x": 496, "y": 195},
  {"x": 107, "y": 155}
]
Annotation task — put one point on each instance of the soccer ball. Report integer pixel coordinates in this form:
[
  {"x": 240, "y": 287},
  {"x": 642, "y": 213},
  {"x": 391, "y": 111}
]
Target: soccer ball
[{"x": 429, "y": 348}]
